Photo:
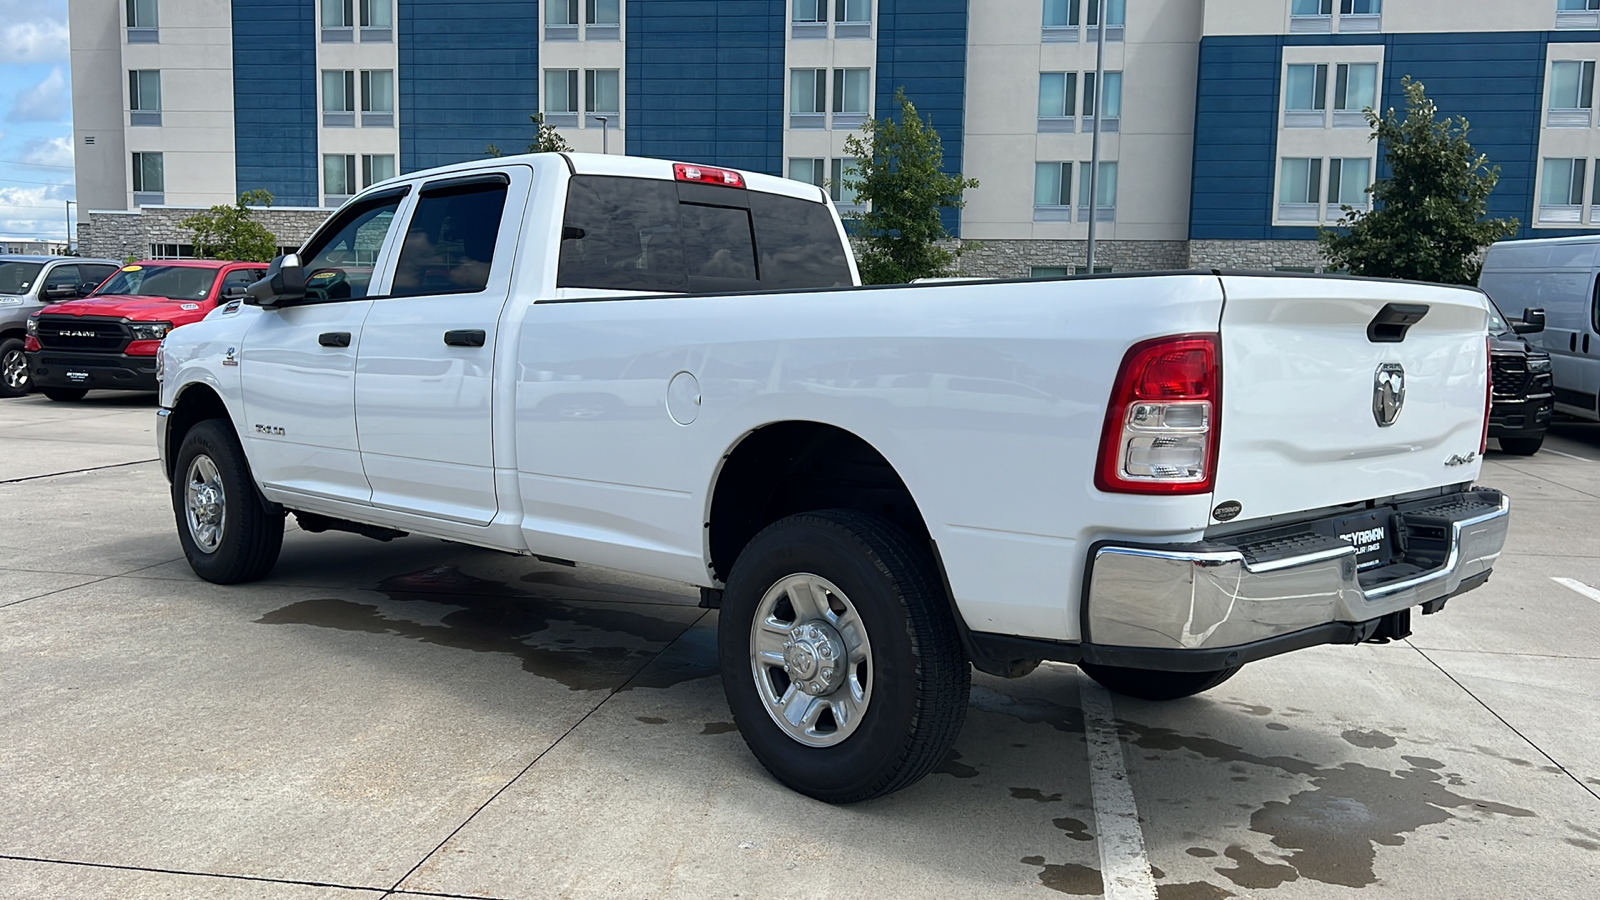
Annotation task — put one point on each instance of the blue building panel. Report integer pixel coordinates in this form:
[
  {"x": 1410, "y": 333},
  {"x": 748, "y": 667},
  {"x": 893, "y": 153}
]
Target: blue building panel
[
  {"x": 705, "y": 81},
  {"x": 469, "y": 77},
  {"x": 275, "y": 100},
  {"x": 1493, "y": 80},
  {"x": 922, "y": 47}
]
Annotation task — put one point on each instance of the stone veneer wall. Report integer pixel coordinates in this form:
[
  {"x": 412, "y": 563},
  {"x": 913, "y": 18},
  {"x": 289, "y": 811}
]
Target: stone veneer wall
[
  {"x": 1017, "y": 258},
  {"x": 119, "y": 235},
  {"x": 1266, "y": 255}
]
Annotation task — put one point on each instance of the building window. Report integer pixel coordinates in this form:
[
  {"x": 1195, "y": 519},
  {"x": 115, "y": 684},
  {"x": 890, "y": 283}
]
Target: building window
[
  {"x": 1357, "y": 16},
  {"x": 143, "y": 25},
  {"x": 149, "y": 179},
  {"x": 1571, "y": 94},
  {"x": 603, "y": 20},
  {"x": 376, "y": 168},
  {"x": 338, "y": 21},
  {"x": 808, "y": 96},
  {"x": 144, "y": 97},
  {"x": 1111, "y": 119},
  {"x": 338, "y": 99},
  {"x": 1310, "y": 16},
  {"x": 810, "y": 170},
  {"x": 1052, "y": 192},
  {"x": 1048, "y": 272},
  {"x": 1098, "y": 270},
  {"x": 377, "y": 98},
  {"x": 1581, "y": 14},
  {"x": 1355, "y": 90},
  {"x": 852, "y": 97},
  {"x": 853, "y": 19},
  {"x": 1300, "y": 190},
  {"x": 1305, "y": 97},
  {"x": 1105, "y": 200},
  {"x": 809, "y": 20},
  {"x": 602, "y": 93},
  {"x": 1561, "y": 194},
  {"x": 561, "y": 97},
  {"x": 561, "y": 20},
  {"x": 173, "y": 251},
  {"x": 377, "y": 21},
  {"x": 1058, "y": 102},
  {"x": 841, "y": 168},
  {"x": 1348, "y": 180},
  {"x": 1116, "y": 18},
  {"x": 338, "y": 178}
]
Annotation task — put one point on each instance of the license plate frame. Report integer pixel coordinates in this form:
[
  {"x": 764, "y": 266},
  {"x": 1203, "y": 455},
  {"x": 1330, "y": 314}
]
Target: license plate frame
[
  {"x": 1371, "y": 533},
  {"x": 75, "y": 376}
]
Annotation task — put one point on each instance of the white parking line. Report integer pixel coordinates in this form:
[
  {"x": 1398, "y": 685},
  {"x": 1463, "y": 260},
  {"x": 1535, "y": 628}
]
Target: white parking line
[
  {"x": 1567, "y": 455},
  {"x": 1573, "y": 584},
  {"x": 1124, "y": 865}
]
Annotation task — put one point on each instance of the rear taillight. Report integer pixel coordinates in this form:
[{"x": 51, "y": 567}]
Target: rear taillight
[
  {"x": 1162, "y": 425},
  {"x": 707, "y": 175},
  {"x": 1488, "y": 393}
]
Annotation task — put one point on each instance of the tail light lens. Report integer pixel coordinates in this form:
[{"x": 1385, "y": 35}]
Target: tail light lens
[
  {"x": 1162, "y": 425},
  {"x": 1488, "y": 393},
  {"x": 707, "y": 175}
]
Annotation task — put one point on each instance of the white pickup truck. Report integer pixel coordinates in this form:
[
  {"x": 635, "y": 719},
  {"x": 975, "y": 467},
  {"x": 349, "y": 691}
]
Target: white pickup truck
[{"x": 672, "y": 370}]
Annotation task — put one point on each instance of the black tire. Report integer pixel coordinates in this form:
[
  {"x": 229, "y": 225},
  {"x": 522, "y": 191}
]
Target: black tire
[
  {"x": 1153, "y": 684},
  {"x": 919, "y": 672},
  {"x": 14, "y": 381},
  {"x": 1522, "y": 446},
  {"x": 251, "y": 532},
  {"x": 65, "y": 395}
]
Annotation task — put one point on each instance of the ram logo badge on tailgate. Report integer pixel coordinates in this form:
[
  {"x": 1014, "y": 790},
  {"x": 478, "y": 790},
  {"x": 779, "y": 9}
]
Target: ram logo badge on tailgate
[{"x": 1388, "y": 393}]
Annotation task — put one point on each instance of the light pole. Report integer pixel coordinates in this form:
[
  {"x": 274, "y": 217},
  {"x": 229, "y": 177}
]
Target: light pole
[
  {"x": 69, "y": 226},
  {"x": 605, "y": 133},
  {"x": 1094, "y": 152}
]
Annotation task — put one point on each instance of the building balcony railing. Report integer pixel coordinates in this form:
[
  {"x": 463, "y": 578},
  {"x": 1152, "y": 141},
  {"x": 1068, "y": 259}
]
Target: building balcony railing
[
  {"x": 1356, "y": 23},
  {"x": 1552, "y": 214},
  {"x": 1569, "y": 118},
  {"x": 1566, "y": 20},
  {"x": 1310, "y": 24}
]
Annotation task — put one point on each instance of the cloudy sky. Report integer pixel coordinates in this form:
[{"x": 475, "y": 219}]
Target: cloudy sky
[{"x": 35, "y": 119}]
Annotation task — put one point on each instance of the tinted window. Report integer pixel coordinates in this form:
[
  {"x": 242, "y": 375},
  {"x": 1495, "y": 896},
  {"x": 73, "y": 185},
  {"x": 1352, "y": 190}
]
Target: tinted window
[
  {"x": 241, "y": 278},
  {"x": 176, "y": 282},
  {"x": 622, "y": 234},
  {"x": 95, "y": 274},
  {"x": 339, "y": 259},
  {"x": 18, "y": 277},
  {"x": 799, "y": 243},
  {"x": 450, "y": 245},
  {"x": 717, "y": 242},
  {"x": 61, "y": 277}
]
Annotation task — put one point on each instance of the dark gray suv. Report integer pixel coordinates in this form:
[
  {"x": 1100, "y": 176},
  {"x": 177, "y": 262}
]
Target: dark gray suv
[{"x": 28, "y": 283}]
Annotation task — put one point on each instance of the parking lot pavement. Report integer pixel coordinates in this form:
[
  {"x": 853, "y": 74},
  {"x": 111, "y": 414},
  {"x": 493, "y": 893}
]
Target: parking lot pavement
[{"x": 417, "y": 718}]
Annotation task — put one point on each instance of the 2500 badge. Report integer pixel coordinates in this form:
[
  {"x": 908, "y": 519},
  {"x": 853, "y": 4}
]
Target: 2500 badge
[{"x": 270, "y": 430}]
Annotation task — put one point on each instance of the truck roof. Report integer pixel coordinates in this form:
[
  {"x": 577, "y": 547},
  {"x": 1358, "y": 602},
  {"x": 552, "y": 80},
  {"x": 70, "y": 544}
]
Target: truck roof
[
  {"x": 197, "y": 263},
  {"x": 13, "y": 257}
]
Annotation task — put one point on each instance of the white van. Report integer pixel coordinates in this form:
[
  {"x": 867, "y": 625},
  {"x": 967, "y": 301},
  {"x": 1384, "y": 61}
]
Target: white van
[{"x": 1562, "y": 276}]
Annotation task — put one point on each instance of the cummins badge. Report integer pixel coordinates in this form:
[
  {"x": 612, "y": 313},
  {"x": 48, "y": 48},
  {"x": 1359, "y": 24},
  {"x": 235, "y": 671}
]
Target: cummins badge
[{"x": 1388, "y": 393}]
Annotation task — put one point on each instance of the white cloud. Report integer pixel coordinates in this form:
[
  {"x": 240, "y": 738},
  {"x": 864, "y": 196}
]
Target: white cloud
[
  {"x": 47, "y": 151},
  {"x": 43, "y": 40},
  {"x": 46, "y": 101}
]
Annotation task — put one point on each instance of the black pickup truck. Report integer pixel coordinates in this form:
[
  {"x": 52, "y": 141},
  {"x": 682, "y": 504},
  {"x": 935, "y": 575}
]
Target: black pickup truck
[{"x": 1524, "y": 396}]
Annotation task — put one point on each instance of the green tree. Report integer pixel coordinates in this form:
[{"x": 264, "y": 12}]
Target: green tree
[
  {"x": 1429, "y": 217},
  {"x": 899, "y": 172},
  {"x": 231, "y": 232},
  {"x": 545, "y": 139}
]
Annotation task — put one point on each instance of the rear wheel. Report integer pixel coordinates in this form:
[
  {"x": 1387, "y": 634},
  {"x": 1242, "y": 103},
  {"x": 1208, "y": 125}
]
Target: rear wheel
[
  {"x": 1522, "y": 446},
  {"x": 13, "y": 368},
  {"x": 1153, "y": 684},
  {"x": 66, "y": 395},
  {"x": 840, "y": 657},
  {"x": 228, "y": 533}
]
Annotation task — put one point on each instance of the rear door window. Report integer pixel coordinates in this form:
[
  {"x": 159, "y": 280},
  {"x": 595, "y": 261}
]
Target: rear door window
[{"x": 449, "y": 246}]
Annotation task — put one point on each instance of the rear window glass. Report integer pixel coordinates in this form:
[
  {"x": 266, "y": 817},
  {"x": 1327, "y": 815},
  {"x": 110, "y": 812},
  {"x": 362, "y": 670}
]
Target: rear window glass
[{"x": 637, "y": 234}]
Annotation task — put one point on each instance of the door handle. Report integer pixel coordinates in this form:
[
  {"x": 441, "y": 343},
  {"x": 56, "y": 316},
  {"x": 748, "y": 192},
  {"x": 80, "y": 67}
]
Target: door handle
[
  {"x": 334, "y": 339},
  {"x": 1586, "y": 343},
  {"x": 467, "y": 338}
]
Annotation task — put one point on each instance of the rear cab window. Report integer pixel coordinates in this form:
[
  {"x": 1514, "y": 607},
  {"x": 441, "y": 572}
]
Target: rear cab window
[{"x": 656, "y": 236}]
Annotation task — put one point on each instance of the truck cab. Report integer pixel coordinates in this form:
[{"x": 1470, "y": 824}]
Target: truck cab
[
  {"x": 108, "y": 339},
  {"x": 27, "y": 285}
]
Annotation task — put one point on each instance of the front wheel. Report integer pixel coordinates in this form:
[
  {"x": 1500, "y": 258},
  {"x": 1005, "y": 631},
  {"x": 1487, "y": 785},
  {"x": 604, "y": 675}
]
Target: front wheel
[
  {"x": 840, "y": 657},
  {"x": 1154, "y": 684},
  {"x": 1522, "y": 446},
  {"x": 66, "y": 395},
  {"x": 228, "y": 532},
  {"x": 13, "y": 368}
]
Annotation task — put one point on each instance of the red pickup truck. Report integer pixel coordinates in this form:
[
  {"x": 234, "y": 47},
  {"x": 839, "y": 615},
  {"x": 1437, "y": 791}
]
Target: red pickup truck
[{"x": 108, "y": 339}]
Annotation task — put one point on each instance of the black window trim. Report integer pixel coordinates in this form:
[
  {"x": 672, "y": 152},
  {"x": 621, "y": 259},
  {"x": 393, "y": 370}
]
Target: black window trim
[{"x": 450, "y": 185}]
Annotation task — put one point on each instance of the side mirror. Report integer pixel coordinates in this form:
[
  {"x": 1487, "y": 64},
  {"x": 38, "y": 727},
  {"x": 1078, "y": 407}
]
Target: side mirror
[
  {"x": 59, "y": 292},
  {"x": 235, "y": 292},
  {"x": 87, "y": 288},
  {"x": 283, "y": 285},
  {"x": 1532, "y": 321}
]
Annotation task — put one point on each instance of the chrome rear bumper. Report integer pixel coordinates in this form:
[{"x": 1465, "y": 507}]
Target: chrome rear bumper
[{"x": 1218, "y": 596}]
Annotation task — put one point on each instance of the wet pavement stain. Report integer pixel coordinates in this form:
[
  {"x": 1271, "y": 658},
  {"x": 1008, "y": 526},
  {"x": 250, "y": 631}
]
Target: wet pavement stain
[
  {"x": 1201, "y": 852},
  {"x": 1370, "y": 740},
  {"x": 1028, "y": 709},
  {"x": 718, "y": 728},
  {"x": 1250, "y": 872},
  {"x": 1070, "y": 878},
  {"x": 1192, "y": 890},
  {"x": 1423, "y": 762},
  {"x": 1035, "y": 795},
  {"x": 651, "y": 720},
  {"x": 580, "y": 646},
  {"x": 954, "y": 767},
  {"x": 1277, "y": 726},
  {"x": 1583, "y": 844},
  {"x": 1251, "y": 708},
  {"x": 1075, "y": 829}
]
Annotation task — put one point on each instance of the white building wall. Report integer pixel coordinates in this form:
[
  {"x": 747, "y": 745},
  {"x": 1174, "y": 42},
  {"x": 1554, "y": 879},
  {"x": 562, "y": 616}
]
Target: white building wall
[
  {"x": 1267, "y": 17},
  {"x": 100, "y": 152},
  {"x": 587, "y": 54},
  {"x": 361, "y": 137}
]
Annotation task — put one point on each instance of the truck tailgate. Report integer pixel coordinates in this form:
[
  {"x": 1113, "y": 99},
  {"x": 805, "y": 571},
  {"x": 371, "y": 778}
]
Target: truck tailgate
[{"x": 1304, "y": 387}]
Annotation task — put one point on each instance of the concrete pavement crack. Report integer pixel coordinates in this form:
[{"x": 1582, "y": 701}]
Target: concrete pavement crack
[
  {"x": 163, "y": 871},
  {"x": 395, "y": 889},
  {"x": 1514, "y": 730},
  {"x": 92, "y": 581},
  {"x": 121, "y": 465}
]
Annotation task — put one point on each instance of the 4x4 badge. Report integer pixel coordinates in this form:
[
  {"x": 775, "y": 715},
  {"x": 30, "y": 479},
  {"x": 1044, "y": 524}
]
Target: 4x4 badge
[{"x": 1388, "y": 393}]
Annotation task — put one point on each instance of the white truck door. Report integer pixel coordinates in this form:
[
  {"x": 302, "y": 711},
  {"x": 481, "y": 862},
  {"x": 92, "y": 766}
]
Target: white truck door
[
  {"x": 424, "y": 374},
  {"x": 297, "y": 364}
]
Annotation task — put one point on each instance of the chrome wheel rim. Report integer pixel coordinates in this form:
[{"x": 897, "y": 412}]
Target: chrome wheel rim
[
  {"x": 14, "y": 369},
  {"x": 205, "y": 504},
  {"x": 811, "y": 660}
]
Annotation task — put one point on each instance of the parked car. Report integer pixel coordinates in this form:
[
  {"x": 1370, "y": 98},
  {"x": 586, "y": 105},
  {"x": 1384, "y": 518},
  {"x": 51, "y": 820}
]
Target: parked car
[
  {"x": 1523, "y": 399},
  {"x": 1562, "y": 277},
  {"x": 27, "y": 284},
  {"x": 880, "y": 487},
  {"x": 109, "y": 338}
]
